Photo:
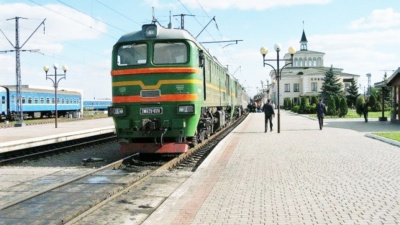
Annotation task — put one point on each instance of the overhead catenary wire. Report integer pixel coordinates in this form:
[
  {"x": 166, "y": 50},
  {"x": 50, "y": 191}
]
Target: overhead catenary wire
[
  {"x": 116, "y": 12},
  {"x": 216, "y": 25},
  {"x": 91, "y": 16},
  {"x": 77, "y": 21},
  {"x": 112, "y": 9}
]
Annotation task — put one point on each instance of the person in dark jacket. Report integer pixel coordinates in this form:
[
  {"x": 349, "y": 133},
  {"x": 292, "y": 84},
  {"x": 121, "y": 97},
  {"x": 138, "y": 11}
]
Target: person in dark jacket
[
  {"x": 321, "y": 111},
  {"x": 365, "y": 110},
  {"x": 268, "y": 113}
]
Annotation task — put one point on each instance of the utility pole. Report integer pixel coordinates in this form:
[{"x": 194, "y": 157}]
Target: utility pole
[
  {"x": 369, "y": 84},
  {"x": 17, "y": 49},
  {"x": 183, "y": 19}
]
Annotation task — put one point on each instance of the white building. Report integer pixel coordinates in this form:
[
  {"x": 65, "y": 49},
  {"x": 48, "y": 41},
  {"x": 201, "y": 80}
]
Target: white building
[{"x": 306, "y": 76}]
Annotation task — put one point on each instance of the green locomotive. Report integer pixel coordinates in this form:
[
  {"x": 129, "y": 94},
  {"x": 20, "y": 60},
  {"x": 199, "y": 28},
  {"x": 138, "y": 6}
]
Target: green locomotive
[{"x": 168, "y": 92}]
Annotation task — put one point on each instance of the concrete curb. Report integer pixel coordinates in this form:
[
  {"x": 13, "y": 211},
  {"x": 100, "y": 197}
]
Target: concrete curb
[{"x": 383, "y": 139}]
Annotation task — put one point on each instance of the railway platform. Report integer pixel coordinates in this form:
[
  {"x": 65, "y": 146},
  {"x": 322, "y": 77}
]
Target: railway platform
[
  {"x": 302, "y": 175},
  {"x": 15, "y": 138}
]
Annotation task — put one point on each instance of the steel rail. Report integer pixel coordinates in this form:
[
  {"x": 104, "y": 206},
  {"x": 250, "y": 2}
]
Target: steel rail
[{"x": 167, "y": 166}]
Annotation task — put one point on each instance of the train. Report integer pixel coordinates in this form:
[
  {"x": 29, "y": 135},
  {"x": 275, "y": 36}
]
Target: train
[
  {"x": 168, "y": 92},
  {"x": 96, "y": 104},
  {"x": 38, "y": 102}
]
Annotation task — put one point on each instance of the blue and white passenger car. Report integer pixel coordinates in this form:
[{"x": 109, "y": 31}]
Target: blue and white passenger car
[
  {"x": 38, "y": 101},
  {"x": 96, "y": 104}
]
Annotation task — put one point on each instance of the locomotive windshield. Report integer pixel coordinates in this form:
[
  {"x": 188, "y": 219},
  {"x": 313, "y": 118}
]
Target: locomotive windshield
[
  {"x": 170, "y": 53},
  {"x": 133, "y": 54}
]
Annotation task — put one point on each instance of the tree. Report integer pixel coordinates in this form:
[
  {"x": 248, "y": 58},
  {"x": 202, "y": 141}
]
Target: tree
[
  {"x": 343, "y": 109},
  {"x": 386, "y": 92},
  {"x": 374, "y": 103},
  {"x": 337, "y": 104},
  {"x": 359, "y": 105},
  {"x": 331, "y": 106},
  {"x": 352, "y": 93},
  {"x": 331, "y": 85}
]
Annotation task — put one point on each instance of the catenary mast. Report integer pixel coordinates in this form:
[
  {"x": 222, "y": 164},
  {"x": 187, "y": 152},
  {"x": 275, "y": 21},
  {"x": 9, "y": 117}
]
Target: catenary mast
[{"x": 17, "y": 49}]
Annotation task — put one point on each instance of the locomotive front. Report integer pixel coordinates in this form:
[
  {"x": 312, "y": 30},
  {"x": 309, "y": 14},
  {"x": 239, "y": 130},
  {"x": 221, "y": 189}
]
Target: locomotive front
[{"x": 157, "y": 89}]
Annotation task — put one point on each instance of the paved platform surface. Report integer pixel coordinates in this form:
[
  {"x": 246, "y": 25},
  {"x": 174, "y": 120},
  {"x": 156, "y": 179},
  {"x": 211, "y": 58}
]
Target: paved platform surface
[
  {"x": 15, "y": 138},
  {"x": 302, "y": 175}
]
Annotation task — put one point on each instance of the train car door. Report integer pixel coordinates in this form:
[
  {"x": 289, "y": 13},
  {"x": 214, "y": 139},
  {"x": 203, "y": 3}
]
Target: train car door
[
  {"x": 5, "y": 103},
  {"x": 228, "y": 89}
]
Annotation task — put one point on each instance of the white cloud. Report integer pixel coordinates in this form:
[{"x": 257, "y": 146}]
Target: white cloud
[
  {"x": 62, "y": 22},
  {"x": 160, "y": 4},
  {"x": 238, "y": 4},
  {"x": 63, "y": 27},
  {"x": 372, "y": 39},
  {"x": 359, "y": 53},
  {"x": 382, "y": 18}
]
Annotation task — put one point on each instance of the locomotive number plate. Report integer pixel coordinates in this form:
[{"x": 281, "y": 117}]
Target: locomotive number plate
[{"x": 152, "y": 110}]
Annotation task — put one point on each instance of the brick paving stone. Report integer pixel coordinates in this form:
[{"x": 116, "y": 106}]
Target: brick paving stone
[{"x": 303, "y": 175}]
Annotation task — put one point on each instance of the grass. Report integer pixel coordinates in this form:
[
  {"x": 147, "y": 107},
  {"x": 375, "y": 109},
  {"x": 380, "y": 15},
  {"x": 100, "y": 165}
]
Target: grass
[
  {"x": 353, "y": 114},
  {"x": 390, "y": 135}
]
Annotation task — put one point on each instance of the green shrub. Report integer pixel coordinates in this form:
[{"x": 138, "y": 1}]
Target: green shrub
[
  {"x": 287, "y": 103},
  {"x": 359, "y": 105},
  {"x": 313, "y": 100},
  {"x": 296, "y": 108}
]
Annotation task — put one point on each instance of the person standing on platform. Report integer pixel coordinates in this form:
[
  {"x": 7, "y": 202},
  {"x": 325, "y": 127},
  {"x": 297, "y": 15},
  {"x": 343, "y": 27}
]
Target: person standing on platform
[
  {"x": 321, "y": 111},
  {"x": 268, "y": 113},
  {"x": 365, "y": 111}
]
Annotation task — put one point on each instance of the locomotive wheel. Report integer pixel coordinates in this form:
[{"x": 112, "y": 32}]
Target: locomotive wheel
[
  {"x": 208, "y": 132},
  {"x": 194, "y": 141},
  {"x": 201, "y": 136}
]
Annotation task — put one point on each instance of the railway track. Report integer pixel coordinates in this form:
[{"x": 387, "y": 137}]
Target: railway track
[
  {"x": 95, "y": 189},
  {"x": 56, "y": 148}
]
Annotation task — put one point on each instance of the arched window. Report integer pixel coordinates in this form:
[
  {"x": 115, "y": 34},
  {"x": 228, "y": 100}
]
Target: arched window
[{"x": 319, "y": 62}]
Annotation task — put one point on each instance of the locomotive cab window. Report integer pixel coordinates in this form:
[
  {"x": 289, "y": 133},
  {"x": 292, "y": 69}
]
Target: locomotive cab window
[
  {"x": 134, "y": 54},
  {"x": 170, "y": 53}
]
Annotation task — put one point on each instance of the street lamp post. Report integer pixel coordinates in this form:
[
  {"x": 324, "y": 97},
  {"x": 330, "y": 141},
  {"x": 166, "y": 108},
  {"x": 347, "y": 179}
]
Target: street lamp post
[
  {"x": 383, "y": 118},
  {"x": 55, "y": 78},
  {"x": 277, "y": 71}
]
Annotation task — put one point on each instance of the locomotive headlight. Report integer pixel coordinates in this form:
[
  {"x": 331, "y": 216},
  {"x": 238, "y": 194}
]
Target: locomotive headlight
[
  {"x": 149, "y": 30},
  {"x": 116, "y": 111},
  {"x": 186, "y": 109}
]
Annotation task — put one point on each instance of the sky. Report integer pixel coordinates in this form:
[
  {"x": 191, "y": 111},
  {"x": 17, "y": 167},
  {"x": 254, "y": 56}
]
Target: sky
[{"x": 359, "y": 36}]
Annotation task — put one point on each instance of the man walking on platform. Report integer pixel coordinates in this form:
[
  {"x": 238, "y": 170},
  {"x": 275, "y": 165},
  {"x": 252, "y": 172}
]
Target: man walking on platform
[
  {"x": 321, "y": 111},
  {"x": 365, "y": 110},
  {"x": 268, "y": 113}
]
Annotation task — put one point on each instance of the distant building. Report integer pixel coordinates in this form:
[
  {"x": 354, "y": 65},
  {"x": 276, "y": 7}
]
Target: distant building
[{"x": 306, "y": 76}]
